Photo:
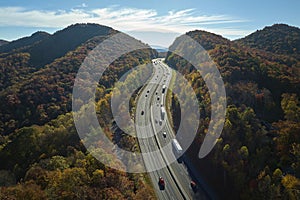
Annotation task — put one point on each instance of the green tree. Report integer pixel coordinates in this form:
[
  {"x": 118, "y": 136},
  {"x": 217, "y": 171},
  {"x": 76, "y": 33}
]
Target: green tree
[
  {"x": 277, "y": 176},
  {"x": 291, "y": 107},
  {"x": 291, "y": 187},
  {"x": 244, "y": 152},
  {"x": 70, "y": 183}
]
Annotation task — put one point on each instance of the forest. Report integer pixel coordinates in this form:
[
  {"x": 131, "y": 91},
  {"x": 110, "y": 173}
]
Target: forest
[
  {"x": 258, "y": 153},
  {"x": 42, "y": 156}
]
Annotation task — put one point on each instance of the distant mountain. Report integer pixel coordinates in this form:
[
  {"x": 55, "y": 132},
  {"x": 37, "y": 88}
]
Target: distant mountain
[
  {"x": 22, "y": 57},
  {"x": 45, "y": 48},
  {"x": 65, "y": 40},
  {"x": 24, "y": 42},
  {"x": 159, "y": 49},
  {"x": 279, "y": 39},
  {"x": 3, "y": 42}
]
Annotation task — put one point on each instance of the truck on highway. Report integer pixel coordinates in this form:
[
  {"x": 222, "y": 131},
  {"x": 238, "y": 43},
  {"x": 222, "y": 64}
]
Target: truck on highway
[
  {"x": 162, "y": 112},
  {"x": 177, "y": 149},
  {"x": 162, "y": 100},
  {"x": 176, "y": 146}
]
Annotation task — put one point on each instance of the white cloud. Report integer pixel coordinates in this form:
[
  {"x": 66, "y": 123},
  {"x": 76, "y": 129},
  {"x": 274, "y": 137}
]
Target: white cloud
[
  {"x": 144, "y": 24},
  {"x": 83, "y": 5},
  {"x": 124, "y": 19}
]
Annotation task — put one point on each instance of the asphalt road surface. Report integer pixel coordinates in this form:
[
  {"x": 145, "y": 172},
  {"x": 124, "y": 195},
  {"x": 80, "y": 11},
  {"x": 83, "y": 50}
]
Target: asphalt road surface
[{"x": 150, "y": 126}]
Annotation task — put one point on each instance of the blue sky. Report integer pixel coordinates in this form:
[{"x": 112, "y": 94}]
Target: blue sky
[{"x": 155, "y": 22}]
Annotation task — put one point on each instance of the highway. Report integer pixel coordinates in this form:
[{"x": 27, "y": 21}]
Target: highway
[{"x": 150, "y": 126}]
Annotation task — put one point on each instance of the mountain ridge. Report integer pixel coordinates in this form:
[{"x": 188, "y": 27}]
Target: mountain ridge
[
  {"x": 67, "y": 39},
  {"x": 45, "y": 48},
  {"x": 278, "y": 38},
  {"x": 24, "y": 42},
  {"x": 3, "y": 42}
]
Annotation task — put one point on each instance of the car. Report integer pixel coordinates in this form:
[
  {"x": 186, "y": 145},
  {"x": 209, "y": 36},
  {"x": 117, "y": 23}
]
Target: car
[
  {"x": 164, "y": 134},
  {"x": 160, "y": 122},
  {"x": 142, "y": 113},
  {"x": 161, "y": 183},
  {"x": 194, "y": 186},
  {"x": 158, "y": 98}
]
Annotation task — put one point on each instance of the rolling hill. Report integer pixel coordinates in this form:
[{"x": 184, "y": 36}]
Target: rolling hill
[
  {"x": 38, "y": 140},
  {"x": 31, "y": 89},
  {"x": 279, "y": 39},
  {"x": 259, "y": 145}
]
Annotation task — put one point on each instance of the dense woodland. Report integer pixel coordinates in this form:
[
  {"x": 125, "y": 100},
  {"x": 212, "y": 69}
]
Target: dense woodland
[
  {"x": 258, "y": 153},
  {"x": 279, "y": 39},
  {"x": 42, "y": 156}
]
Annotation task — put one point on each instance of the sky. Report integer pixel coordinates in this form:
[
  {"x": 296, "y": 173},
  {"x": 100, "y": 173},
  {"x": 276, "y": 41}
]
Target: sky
[{"x": 155, "y": 22}]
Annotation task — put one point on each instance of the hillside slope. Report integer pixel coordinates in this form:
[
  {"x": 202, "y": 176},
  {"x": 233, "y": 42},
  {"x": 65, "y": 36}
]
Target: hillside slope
[
  {"x": 279, "y": 39},
  {"x": 258, "y": 147},
  {"x": 41, "y": 94},
  {"x": 42, "y": 156}
]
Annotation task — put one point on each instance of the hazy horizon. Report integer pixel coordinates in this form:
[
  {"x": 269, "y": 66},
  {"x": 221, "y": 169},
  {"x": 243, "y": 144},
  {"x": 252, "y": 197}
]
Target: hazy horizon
[{"x": 158, "y": 25}]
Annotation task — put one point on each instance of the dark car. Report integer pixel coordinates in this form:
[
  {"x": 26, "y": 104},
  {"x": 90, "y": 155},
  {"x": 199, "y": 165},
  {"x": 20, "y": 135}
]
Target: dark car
[
  {"x": 194, "y": 186},
  {"x": 161, "y": 183},
  {"x": 142, "y": 113}
]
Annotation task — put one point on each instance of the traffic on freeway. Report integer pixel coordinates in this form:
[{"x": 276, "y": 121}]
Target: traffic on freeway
[{"x": 171, "y": 181}]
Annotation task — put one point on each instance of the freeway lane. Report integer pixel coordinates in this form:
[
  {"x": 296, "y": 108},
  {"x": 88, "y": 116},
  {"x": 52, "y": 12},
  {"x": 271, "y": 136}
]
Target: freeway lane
[
  {"x": 149, "y": 130},
  {"x": 148, "y": 142},
  {"x": 179, "y": 170}
]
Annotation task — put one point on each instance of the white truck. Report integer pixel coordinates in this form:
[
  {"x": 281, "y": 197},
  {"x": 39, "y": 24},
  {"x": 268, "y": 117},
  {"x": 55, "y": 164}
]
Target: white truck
[
  {"x": 176, "y": 147},
  {"x": 162, "y": 100},
  {"x": 162, "y": 112}
]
